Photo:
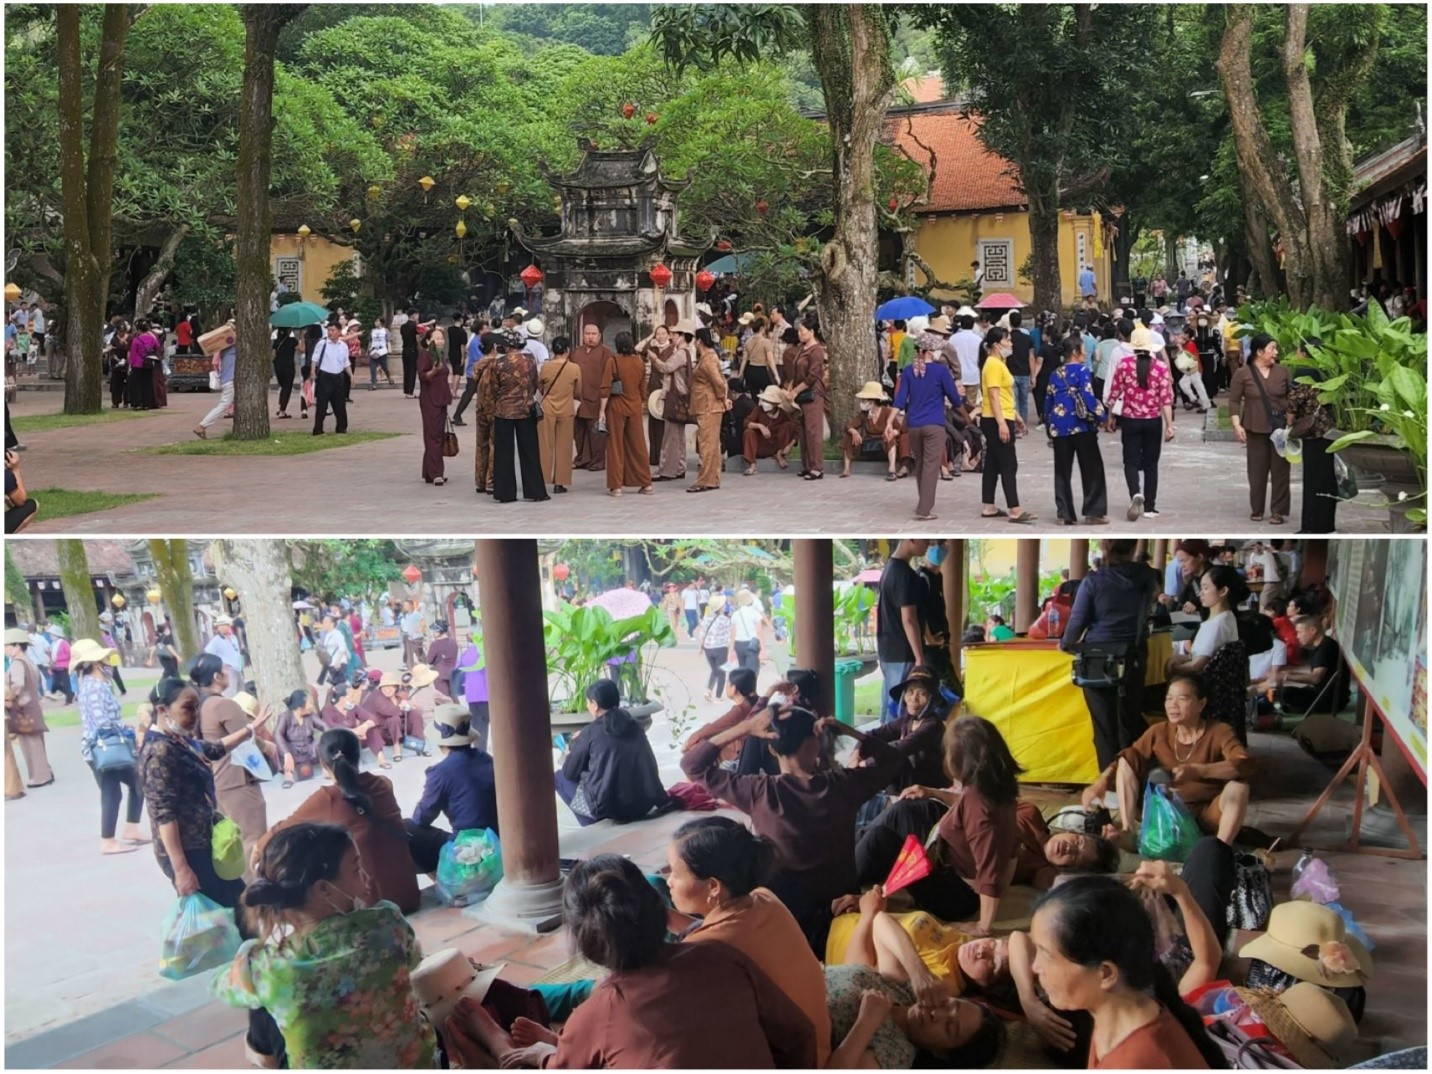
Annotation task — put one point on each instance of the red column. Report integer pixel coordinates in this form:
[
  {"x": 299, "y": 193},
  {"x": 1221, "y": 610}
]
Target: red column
[{"x": 510, "y": 591}]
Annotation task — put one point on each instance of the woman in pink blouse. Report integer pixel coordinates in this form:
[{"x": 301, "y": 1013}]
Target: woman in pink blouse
[{"x": 1145, "y": 389}]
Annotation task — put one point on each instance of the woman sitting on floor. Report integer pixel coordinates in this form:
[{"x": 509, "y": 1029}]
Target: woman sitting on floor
[
  {"x": 888, "y": 1010},
  {"x": 917, "y": 733},
  {"x": 460, "y": 787},
  {"x": 661, "y": 1005},
  {"x": 978, "y": 834},
  {"x": 1094, "y": 951},
  {"x": 1208, "y": 765},
  {"x": 610, "y": 771},
  {"x": 741, "y": 691},
  {"x": 807, "y": 811}
]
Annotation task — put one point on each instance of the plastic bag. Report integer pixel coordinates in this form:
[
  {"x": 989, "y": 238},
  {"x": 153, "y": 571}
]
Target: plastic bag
[
  {"x": 1168, "y": 831},
  {"x": 199, "y": 934},
  {"x": 469, "y": 867},
  {"x": 1316, "y": 882},
  {"x": 1353, "y": 928}
]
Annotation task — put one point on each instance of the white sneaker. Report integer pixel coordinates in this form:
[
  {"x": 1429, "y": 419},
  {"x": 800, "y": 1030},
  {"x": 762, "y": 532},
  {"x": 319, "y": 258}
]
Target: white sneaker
[
  {"x": 1136, "y": 507},
  {"x": 1151, "y": 514}
]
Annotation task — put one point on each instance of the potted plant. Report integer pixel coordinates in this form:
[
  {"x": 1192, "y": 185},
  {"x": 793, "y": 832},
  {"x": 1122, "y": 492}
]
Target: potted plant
[
  {"x": 585, "y": 644},
  {"x": 1371, "y": 373}
]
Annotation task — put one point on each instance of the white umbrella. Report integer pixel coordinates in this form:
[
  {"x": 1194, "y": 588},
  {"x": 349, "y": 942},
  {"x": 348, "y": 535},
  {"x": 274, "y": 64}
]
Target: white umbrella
[{"x": 622, "y": 603}]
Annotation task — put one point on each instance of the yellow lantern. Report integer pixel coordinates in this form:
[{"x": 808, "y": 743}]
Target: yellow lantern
[
  {"x": 503, "y": 187},
  {"x": 374, "y": 190},
  {"x": 153, "y": 596},
  {"x": 463, "y": 201},
  {"x": 427, "y": 182},
  {"x": 304, "y": 231},
  {"x": 355, "y": 224},
  {"x": 118, "y": 601},
  {"x": 230, "y": 592},
  {"x": 12, "y": 293},
  {"x": 461, "y": 227}
]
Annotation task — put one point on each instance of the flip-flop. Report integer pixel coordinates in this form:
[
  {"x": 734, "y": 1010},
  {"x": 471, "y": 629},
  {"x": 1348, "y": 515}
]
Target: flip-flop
[
  {"x": 997, "y": 514},
  {"x": 384, "y": 764},
  {"x": 138, "y": 842},
  {"x": 200, "y": 433},
  {"x": 648, "y": 491},
  {"x": 120, "y": 850},
  {"x": 1025, "y": 519},
  {"x": 701, "y": 488},
  {"x": 890, "y": 475},
  {"x": 926, "y": 518}
]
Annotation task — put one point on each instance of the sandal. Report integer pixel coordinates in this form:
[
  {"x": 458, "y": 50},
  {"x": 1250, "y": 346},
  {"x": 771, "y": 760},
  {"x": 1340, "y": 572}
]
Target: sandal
[
  {"x": 397, "y": 757},
  {"x": 749, "y": 471},
  {"x": 947, "y": 477},
  {"x": 996, "y": 513},
  {"x": 439, "y": 481},
  {"x": 926, "y": 518},
  {"x": 701, "y": 488},
  {"x": 384, "y": 764},
  {"x": 647, "y": 491},
  {"x": 1255, "y": 518},
  {"x": 120, "y": 850},
  {"x": 815, "y": 475},
  {"x": 1023, "y": 520},
  {"x": 614, "y": 492},
  {"x": 200, "y": 433},
  {"x": 890, "y": 475},
  {"x": 1275, "y": 520}
]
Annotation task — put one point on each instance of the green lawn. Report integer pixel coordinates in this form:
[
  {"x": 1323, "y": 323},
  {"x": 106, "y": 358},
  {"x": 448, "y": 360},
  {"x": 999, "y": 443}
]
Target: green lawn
[
  {"x": 39, "y": 423},
  {"x": 869, "y": 697},
  {"x": 62, "y": 503},
  {"x": 285, "y": 443},
  {"x": 138, "y": 684},
  {"x": 1224, "y": 421}
]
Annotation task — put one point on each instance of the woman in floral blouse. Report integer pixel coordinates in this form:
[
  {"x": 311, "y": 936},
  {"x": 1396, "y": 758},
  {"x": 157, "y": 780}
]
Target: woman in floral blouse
[
  {"x": 1072, "y": 412},
  {"x": 332, "y": 971},
  {"x": 99, "y": 712},
  {"x": 1145, "y": 388}
]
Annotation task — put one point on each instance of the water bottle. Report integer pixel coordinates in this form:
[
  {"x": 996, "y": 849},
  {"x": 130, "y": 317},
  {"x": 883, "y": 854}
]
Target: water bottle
[
  {"x": 1055, "y": 620},
  {"x": 1301, "y": 865}
]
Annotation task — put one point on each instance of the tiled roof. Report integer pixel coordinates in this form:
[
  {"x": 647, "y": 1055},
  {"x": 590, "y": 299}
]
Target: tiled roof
[
  {"x": 925, "y": 89},
  {"x": 967, "y": 176},
  {"x": 41, "y": 559}
]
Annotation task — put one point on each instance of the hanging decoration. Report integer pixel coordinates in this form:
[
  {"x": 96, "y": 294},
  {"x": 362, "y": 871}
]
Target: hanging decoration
[
  {"x": 411, "y": 574},
  {"x": 561, "y": 572},
  {"x": 427, "y": 182},
  {"x": 531, "y": 276},
  {"x": 660, "y": 275},
  {"x": 704, "y": 280}
]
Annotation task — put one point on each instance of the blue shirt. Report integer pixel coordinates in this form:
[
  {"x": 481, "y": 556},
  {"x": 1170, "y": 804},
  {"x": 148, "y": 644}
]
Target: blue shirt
[
  {"x": 1110, "y": 606},
  {"x": 922, "y": 398},
  {"x": 474, "y": 352},
  {"x": 1060, "y": 413},
  {"x": 228, "y": 358},
  {"x": 461, "y": 786},
  {"x": 1173, "y": 578},
  {"x": 1086, "y": 282}
]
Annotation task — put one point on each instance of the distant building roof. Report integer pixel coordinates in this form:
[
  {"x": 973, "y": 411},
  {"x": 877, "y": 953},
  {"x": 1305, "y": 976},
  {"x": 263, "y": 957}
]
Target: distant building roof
[
  {"x": 925, "y": 89},
  {"x": 41, "y": 559},
  {"x": 967, "y": 176},
  {"x": 1381, "y": 172}
]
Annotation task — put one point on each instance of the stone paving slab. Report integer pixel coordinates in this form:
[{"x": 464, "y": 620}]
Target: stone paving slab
[{"x": 377, "y": 489}]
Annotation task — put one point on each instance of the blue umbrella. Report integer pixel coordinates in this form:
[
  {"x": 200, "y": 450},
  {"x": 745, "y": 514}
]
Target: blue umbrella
[
  {"x": 730, "y": 264},
  {"x": 902, "y": 309},
  {"x": 298, "y": 315}
]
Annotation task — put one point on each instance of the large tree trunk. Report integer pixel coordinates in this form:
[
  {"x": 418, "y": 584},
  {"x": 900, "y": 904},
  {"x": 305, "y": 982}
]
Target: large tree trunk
[
  {"x": 850, "y": 47},
  {"x": 154, "y": 280},
  {"x": 79, "y": 590},
  {"x": 1044, "y": 247},
  {"x": 87, "y": 195},
  {"x": 259, "y": 571},
  {"x": 1259, "y": 245},
  {"x": 262, "y": 23},
  {"x": 176, "y": 585}
]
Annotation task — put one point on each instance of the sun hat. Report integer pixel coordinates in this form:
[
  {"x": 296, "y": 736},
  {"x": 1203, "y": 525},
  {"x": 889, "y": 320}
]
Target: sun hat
[
  {"x": 919, "y": 676},
  {"x": 389, "y": 679},
  {"x": 520, "y": 313},
  {"x": 656, "y": 404},
  {"x": 939, "y": 324},
  {"x": 716, "y": 605},
  {"x": 1311, "y": 1022},
  {"x": 16, "y": 636},
  {"x": 744, "y": 598},
  {"x": 248, "y": 703},
  {"x": 686, "y": 326},
  {"x": 771, "y": 394},
  {"x": 453, "y": 723},
  {"x": 447, "y": 976},
  {"x": 966, "y": 311},
  {"x": 703, "y": 307},
  {"x": 420, "y": 676},
  {"x": 871, "y": 390},
  {"x": 513, "y": 340},
  {"x": 89, "y": 651},
  {"x": 746, "y": 318},
  {"x": 534, "y": 327},
  {"x": 57, "y": 630},
  {"x": 1311, "y": 943},
  {"x": 223, "y": 620}
]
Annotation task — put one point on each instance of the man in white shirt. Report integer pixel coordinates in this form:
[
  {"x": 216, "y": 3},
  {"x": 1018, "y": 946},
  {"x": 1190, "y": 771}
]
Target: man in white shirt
[
  {"x": 534, "y": 346},
  {"x": 747, "y": 631},
  {"x": 37, "y": 332},
  {"x": 966, "y": 344},
  {"x": 412, "y": 627},
  {"x": 691, "y": 606},
  {"x": 226, "y": 647},
  {"x": 39, "y": 654},
  {"x": 336, "y": 648},
  {"x": 330, "y": 376}
]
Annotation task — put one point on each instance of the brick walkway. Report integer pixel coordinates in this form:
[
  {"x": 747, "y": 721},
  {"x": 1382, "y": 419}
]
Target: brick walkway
[{"x": 377, "y": 489}]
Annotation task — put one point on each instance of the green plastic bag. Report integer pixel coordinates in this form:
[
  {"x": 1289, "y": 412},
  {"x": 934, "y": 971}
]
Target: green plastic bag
[
  {"x": 228, "y": 849},
  {"x": 469, "y": 867},
  {"x": 1169, "y": 830},
  {"x": 199, "y": 934}
]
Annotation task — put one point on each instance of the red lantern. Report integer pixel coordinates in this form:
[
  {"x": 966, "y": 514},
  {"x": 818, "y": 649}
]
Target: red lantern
[
  {"x": 660, "y": 275},
  {"x": 761, "y": 206},
  {"x": 894, "y": 204},
  {"x": 561, "y": 572},
  {"x": 724, "y": 245},
  {"x": 704, "y": 280},
  {"x": 628, "y": 110},
  {"x": 531, "y": 276},
  {"x": 651, "y": 118},
  {"x": 412, "y": 574}
]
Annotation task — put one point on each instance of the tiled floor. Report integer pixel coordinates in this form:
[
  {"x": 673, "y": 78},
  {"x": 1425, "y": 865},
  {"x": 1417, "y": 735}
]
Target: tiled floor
[{"x": 1388, "y": 897}]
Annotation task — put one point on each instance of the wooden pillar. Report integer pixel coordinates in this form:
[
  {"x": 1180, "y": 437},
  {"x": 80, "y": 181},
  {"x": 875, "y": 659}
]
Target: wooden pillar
[
  {"x": 1314, "y": 569},
  {"x": 1078, "y": 559},
  {"x": 1402, "y": 779},
  {"x": 1026, "y": 585},
  {"x": 1140, "y": 547},
  {"x": 510, "y": 591},
  {"x": 952, "y": 575},
  {"x": 815, "y": 621},
  {"x": 1160, "y": 554}
]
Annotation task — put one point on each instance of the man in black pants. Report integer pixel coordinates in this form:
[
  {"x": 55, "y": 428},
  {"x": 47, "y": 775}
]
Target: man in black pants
[{"x": 330, "y": 371}]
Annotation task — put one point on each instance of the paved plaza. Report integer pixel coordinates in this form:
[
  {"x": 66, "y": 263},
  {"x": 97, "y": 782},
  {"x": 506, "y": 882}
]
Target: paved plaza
[{"x": 376, "y": 489}]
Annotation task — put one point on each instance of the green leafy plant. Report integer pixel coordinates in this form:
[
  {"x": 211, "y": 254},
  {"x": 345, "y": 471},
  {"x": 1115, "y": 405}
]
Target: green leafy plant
[
  {"x": 582, "y": 642},
  {"x": 994, "y": 594},
  {"x": 854, "y": 619}
]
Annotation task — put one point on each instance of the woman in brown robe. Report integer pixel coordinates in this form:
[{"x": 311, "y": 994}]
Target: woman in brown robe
[
  {"x": 656, "y": 349},
  {"x": 709, "y": 401},
  {"x": 239, "y": 796},
  {"x": 434, "y": 397},
  {"x": 623, "y": 405},
  {"x": 676, "y": 370},
  {"x": 808, "y": 374}
]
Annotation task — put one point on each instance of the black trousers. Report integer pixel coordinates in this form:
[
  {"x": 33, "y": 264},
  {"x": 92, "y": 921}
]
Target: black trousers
[
  {"x": 331, "y": 389},
  {"x": 481, "y": 719},
  {"x": 1212, "y": 877},
  {"x": 748, "y": 655},
  {"x": 942, "y": 893},
  {"x": 284, "y": 370},
  {"x": 1000, "y": 464},
  {"x": 508, "y": 435},
  {"x": 426, "y": 845},
  {"x": 410, "y": 371},
  {"x": 111, "y": 789},
  {"x": 118, "y": 680},
  {"x": 1083, "y": 447},
  {"x": 1143, "y": 444},
  {"x": 716, "y": 660},
  {"x": 1117, "y": 711},
  {"x": 468, "y": 391},
  {"x": 1320, "y": 486}
]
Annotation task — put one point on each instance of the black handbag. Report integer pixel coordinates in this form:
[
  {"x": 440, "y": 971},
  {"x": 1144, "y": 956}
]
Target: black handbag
[
  {"x": 805, "y": 396},
  {"x": 1252, "y": 900},
  {"x": 1098, "y": 667}
]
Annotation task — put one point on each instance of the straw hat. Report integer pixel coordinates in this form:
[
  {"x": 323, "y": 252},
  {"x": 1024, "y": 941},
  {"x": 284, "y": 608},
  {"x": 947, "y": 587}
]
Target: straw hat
[
  {"x": 421, "y": 675},
  {"x": 656, "y": 404},
  {"x": 57, "y": 630},
  {"x": 685, "y": 326},
  {"x": 443, "y": 978},
  {"x": 534, "y": 327},
  {"x": 248, "y": 702},
  {"x": 1311, "y": 942},
  {"x": 771, "y": 394},
  {"x": 16, "y": 636},
  {"x": 940, "y": 324},
  {"x": 746, "y": 318},
  {"x": 744, "y": 598},
  {"x": 223, "y": 620},
  {"x": 1309, "y": 1021},
  {"x": 871, "y": 390},
  {"x": 453, "y": 723},
  {"x": 89, "y": 651},
  {"x": 966, "y": 311},
  {"x": 716, "y": 605},
  {"x": 389, "y": 679}
]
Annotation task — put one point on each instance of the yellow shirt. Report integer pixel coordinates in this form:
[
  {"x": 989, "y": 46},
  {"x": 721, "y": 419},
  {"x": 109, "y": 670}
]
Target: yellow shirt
[
  {"x": 996, "y": 375},
  {"x": 937, "y": 943}
]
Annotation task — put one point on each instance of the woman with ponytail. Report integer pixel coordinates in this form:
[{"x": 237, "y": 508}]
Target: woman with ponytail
[
  {"x": 1144, "y": 387},
  {"x": 1094, "y": 951},
  {"x": 363, "y": 805},
  {"x": 741, "y": 691},
  {"x": 332, "y": 969}
]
